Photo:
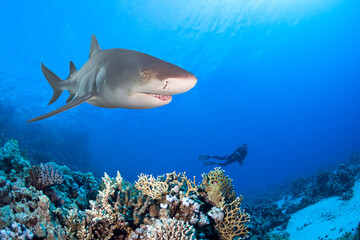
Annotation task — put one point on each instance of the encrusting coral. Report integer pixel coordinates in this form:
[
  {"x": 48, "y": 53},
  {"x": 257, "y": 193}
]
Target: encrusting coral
[{"x": 167, "y": 207}]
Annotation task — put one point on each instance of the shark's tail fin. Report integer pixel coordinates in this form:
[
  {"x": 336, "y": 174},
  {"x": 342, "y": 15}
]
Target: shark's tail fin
[{"x": 54, "y": 81}]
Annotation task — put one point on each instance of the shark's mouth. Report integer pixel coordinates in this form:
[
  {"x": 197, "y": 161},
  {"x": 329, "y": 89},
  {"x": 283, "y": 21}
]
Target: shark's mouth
[{"x": 161, "y": 97}]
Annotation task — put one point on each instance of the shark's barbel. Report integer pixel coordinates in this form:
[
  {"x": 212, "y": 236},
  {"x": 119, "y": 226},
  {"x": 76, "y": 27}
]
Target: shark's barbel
[{"x": 119, "y": 78}]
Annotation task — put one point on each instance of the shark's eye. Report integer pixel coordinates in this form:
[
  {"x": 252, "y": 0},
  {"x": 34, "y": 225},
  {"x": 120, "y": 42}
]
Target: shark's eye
[{"x": 145, "y": 75}]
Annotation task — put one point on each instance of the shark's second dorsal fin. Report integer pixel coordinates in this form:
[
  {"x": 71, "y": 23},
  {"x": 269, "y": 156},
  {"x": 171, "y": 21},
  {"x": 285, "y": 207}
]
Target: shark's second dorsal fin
[
  {"x": 94, "y": 46},
  {"x": 72, "y": 69}
]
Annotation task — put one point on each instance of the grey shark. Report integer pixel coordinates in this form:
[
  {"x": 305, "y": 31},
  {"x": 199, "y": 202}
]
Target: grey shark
[{"x": 119, "y": 78}]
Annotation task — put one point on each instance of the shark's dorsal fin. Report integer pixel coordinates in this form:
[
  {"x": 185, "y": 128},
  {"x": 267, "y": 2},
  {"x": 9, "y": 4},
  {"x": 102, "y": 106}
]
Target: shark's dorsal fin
[{"x": 94, "y": 46}]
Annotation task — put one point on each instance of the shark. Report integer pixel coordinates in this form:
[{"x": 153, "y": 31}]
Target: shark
[{"x": 118, "y": 78}]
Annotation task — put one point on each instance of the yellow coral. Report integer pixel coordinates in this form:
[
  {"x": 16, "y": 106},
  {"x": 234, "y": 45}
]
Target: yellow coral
[
  {"x": 150, "y": 186},
  {"x": 233, "y": 224},
  {"x": 218, "y": 187},
  {"x": 191, "y": 185}
]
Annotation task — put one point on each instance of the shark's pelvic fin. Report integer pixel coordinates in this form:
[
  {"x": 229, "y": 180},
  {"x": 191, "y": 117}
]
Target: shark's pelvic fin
[
  {"x": 71, "y": 96},
  {"x": 73, "y": 103},
  {"x": 94, "y": 46},
  {"x": 54, "y": 81}
]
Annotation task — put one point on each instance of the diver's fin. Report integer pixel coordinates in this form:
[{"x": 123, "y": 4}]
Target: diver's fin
[
  {"x": 74, "y": 103},
  {"x": 94, "y": 46},
  {"x": 203, "y": 157},
  {"x": 54, "y": 81},
  {"x": 208, "y": 163}
]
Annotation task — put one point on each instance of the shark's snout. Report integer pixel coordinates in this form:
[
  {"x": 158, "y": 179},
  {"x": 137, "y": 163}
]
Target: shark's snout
[{"x": 180, "y": 84}]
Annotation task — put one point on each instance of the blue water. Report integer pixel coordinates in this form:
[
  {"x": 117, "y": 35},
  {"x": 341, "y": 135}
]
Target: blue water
[{"x": 281, "y": 76}]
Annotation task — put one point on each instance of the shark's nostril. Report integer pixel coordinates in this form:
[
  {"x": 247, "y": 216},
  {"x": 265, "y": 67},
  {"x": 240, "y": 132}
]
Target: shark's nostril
[{"x": 166, "y": 83}]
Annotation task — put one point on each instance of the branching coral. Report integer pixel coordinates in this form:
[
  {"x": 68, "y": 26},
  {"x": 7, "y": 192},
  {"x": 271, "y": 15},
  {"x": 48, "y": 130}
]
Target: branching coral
[
  {"x": 150, "y": 186},
  {"x": 170, "y": 228},
  {"x": 233, "y": 223},
  {"x": 191, "y": 186},
  {"x": 167, "y": 207},
  {"x": 105, "y": 217},
  {"x": 218, "y": 187},
  {"x": 44, "y": 176},
  {"x": 75, "y": 226}
]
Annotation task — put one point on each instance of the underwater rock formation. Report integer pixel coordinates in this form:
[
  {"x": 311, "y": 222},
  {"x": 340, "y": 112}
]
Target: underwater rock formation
[
  {"x": 325, "y": 183},
  {"x": 48, "y": 201}
]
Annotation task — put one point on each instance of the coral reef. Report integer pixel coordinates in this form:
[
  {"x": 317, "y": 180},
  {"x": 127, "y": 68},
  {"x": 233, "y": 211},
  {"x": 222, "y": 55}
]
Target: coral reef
[
  {"x": 48, "y": 201},
  {"x": 325, "y": 183},
  {"x": 11, "y": 159},
  {"x": 16, "y": 231},
  {"x": 38, "y": 213},
  {"x": 264, "y": 218},
  {"x": 170, "y": 228},
  {"x": 168, "y": 207},
  {"x": 270, "y": 211}
]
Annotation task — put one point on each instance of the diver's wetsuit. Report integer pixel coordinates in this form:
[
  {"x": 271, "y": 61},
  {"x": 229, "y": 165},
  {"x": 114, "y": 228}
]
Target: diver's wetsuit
[{"x": 237, "y": 156}]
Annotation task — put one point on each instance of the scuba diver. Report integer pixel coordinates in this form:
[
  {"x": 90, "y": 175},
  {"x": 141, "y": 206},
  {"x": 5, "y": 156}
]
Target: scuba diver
[{"x": 237, "y": 156}]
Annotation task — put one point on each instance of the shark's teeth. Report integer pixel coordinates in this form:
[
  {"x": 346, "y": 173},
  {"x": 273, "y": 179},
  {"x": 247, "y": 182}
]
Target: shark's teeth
[{"x": 162, "y": 97}]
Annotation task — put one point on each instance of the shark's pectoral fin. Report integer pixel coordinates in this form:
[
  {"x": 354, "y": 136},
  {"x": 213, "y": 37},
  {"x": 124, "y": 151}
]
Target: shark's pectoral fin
[{"x": 73, "y": 103}]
